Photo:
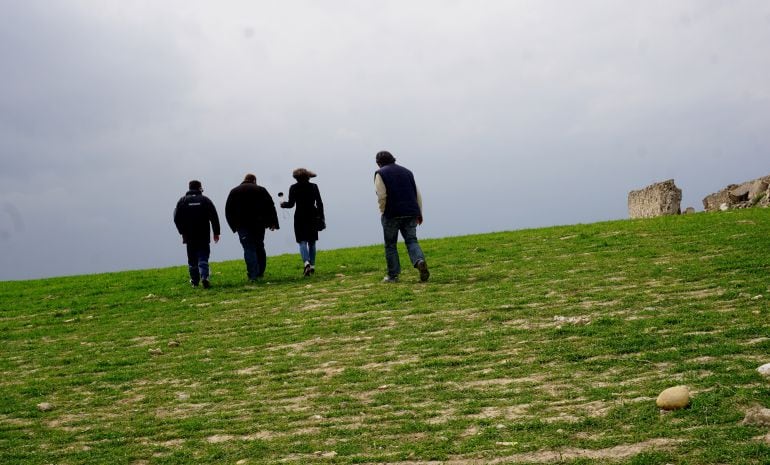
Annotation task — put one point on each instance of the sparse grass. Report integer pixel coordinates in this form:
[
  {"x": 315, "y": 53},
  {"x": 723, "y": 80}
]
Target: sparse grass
[{"x": 534, "y": 346}]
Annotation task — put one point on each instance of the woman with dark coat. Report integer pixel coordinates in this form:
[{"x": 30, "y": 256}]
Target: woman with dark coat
[{"x": 308, "y": 217}]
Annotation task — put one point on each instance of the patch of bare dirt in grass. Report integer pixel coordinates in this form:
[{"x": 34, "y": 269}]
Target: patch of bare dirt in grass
[
  {"x": 171, "y": 443},
  {"x": 296, "y": 347},
  {"x": 133, "y": 399},
  {"x": 580, "y": 409},
  {"x": 441, "y": 417},
  {"x": 248, "y": 371},
  {"x": 327, "y": 370},
  {"x": 511, "y": 412},
  {"x": 16, "y": 422},
  {"x": 588, "y": 304},
  {"x": 186, "y": 411},
  {"x": 520, "y": 323},
  {"x": 620, "y": 452},
  {"x": 703, "y": 333},
  {"x": 388, "y": 365},
  {"x": 145, "y": 341},
  {"x": 66, "y": 423},
  {"x": 482, "y": 383},
  {"x": 755, "y": 341},
  {"x": 313, "y": 304}
]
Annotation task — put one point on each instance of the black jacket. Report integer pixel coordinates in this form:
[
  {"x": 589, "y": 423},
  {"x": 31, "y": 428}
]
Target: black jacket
[
  {"x": 192, "y": 216},
  {"x": 249, "y": 207},
  {"x": 307, "y": 198}
]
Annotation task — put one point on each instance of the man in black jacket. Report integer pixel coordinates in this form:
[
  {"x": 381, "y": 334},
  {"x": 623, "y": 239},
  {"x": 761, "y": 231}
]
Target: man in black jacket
[
  {"x": 192, "y": 216},
  {"x": 249, "y": 211},
  {"x": 401, "y": 207}
]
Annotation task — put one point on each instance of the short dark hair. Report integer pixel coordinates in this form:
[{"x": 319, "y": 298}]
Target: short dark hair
[
  {"x": 384, "y": 158},
  {"x": 250, "y": 178},
  {"x": 195, "y": 185}
]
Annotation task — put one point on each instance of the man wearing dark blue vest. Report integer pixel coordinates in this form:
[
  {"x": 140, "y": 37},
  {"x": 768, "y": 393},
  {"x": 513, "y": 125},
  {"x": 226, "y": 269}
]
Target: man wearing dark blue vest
[{"x": 401, "y": 208}]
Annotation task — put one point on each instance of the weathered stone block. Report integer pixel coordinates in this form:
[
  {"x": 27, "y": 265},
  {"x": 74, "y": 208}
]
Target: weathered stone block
[{"x": 658, "y": 199}]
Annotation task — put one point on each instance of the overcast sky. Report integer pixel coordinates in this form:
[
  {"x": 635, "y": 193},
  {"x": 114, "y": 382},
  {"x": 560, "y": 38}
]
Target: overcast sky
[{"x": 511, "y": 114}]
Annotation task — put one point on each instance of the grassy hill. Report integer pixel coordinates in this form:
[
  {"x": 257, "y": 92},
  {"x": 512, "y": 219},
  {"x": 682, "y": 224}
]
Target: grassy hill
[{"x": 534, "y": 346}]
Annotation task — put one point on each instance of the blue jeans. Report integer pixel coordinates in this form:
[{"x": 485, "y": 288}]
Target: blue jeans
[
  {"x": 253, "y": 243},
  {"x": 307, "y": 251},
  {"x": 407, "y": 225},
  {"x": 198, "y": 261}
]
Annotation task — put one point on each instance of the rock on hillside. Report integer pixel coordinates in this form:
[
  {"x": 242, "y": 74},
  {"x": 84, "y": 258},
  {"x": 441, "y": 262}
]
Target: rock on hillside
[{"x": 748, "y": 194}]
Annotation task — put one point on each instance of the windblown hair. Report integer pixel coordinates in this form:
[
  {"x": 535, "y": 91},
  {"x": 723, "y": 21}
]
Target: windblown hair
[
  {"x": 302, "y": 174},
  {"x": 250, "y": 178}
]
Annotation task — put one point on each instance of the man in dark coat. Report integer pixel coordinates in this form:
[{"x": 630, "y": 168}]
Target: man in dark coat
[
  {"x": 249, "y": 211},
  {"x": 401, "y": 208},
  {"x": 192, "y": 216}
]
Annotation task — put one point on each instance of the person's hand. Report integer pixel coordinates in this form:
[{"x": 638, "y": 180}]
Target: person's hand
[
  {"x": 419, "y": 219},
  {"x": 216, "y": 238}
]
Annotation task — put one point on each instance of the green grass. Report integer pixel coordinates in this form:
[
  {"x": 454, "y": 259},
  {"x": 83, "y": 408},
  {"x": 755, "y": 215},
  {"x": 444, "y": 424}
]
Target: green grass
[{"x": 535, "y": 346}]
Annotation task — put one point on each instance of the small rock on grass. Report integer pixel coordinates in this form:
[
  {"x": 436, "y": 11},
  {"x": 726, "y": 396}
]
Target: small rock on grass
[
  {"x": 764, "y": 370},
  {"x": 173, "y": 343},
  {"x": 156, "y": 351},
  {"x": 673, "y": 398},
  {"x": 45, "y": 407}
]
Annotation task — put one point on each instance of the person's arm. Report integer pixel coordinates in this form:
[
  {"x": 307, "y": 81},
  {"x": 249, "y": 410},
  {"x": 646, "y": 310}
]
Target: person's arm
[
  {"x": 382, "y": 192},
  {"x": 178, "y": 216},
  {"x": 319, "y": 203},
  {"x": 230, "y": 211},
  {"x": 292, "y": 199},
  {"x": 419, "y": 204},
  {"x": 270, "y": 205},
  {"x": 214, "y": 218}
]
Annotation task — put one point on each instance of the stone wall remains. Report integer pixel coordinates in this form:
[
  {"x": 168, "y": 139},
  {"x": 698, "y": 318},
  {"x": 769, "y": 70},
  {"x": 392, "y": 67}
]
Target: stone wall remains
[
  {"x": 658, "y": 199},
  {"x": 748, "y": 194}
]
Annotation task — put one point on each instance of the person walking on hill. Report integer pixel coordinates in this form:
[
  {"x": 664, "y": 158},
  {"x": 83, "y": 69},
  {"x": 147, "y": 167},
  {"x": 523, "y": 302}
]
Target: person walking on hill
[
  {"x": 401, "y": 207},
  {"x": 308, "y": 217},
  {"x": 249, "y": 211},
  {"x": 192, "y": 216}
]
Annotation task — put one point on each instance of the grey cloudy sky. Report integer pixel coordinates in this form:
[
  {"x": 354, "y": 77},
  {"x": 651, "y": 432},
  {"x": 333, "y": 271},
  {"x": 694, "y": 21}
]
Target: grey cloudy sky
[{"x": 511, "y": 114}]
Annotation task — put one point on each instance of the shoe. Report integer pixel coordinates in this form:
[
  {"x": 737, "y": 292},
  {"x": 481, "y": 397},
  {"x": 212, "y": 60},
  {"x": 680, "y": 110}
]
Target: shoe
[
  {"x": 423, "y": 267},
  {"x": 390, "y": 279},
  {"x": 206, "y": 283},
  {"x": 307, "y": 269},
  {"x": 312, "y": 269},
  {"x": 193, "y": 283}
]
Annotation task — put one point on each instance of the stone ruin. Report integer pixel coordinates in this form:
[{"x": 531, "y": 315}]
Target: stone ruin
[
  {"x": 658, "y": 199},
  {"x": 749, "y": 194},
  {"x": 664, "y": 198}
]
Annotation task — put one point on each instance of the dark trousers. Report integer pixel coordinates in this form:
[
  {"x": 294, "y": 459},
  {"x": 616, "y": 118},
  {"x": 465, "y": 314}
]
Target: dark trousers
[
  {"x": 407, "y": 226},
  {"x": 198, "y": 260},
  {"x": 253, "y": 243}
]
